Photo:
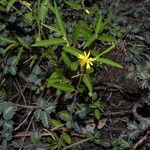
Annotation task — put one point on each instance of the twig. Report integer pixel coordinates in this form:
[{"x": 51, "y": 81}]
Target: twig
[
  {"x": 24, "y": 121},
  {"x": 21, "y": 92},
  {"x": 24, "y": 134},
  {"x": 134, "y": 112},
  {"x": 117, "y": 114},
  {"x": 141, "y": 140},
  {"x": 25, "y": 106}
]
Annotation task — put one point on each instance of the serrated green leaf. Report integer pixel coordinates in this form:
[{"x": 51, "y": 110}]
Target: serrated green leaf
[
  {"x": 8, "y": 126},
  {"x": 87, "y": 81},
  {"x": 99, "y": 25},
  {"x": 24, "y": 43},
  {"x": 40, "y": 102},
  {"x": 74, "y": 5},
  {"x": 97, "y": 114},
  {"x": 81, "y": 31},
  {"x": 6, "y": 39},
  {"x": 9, "y": 5},
  {"x": 59, "y": 19},
  {"x": 50, "y": 109},
  {"x": 8, "y": 112},
  {"x": 37, "y": 114},
  {"x": 11, "y": 46},
  {"x": 44, "y": 119},
  {"x": 56, "y": 123},
  {"x": 64, "y": 115},
  {"x": 74, "y": 65},
  {"x": 35, "y": 136},
  {"x": 53, "y": 80},
  {"x": 109, "y": 62},
  {"x": 66, "y": 59},
  {"x": 81, "y": 110},
  {"x": 27, "y": 4},
  {"x": 44, "y": 10},
  {"x": 37, "y": 70},
  {"x": 29, "y": 17},
  {"x": 49, "y": 42},
  {"x": 20, "y": 51},
  {"x": 107, "y": 38},
  {"x": 67, "y": 138},
  {"x": 106, "y": 51},
  {"x": 107, "y": 20},
  {"x": 62, "y": 87},
  {"x": 90, "y": 41},
  {"x": 52, "y": 28},
  {"x": 72, "y": 51}
]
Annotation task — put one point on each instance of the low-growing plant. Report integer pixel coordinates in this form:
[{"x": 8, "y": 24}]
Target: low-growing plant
[{"x": 71, "y": 51}]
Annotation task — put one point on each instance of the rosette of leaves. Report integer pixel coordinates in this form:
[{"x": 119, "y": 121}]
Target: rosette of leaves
[{"x": 43, "y": 112}]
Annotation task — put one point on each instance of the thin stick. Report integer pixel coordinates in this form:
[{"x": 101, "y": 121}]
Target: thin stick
[
  {"x": 21, "y": 92},
  {"x": 24, "y": 121}
]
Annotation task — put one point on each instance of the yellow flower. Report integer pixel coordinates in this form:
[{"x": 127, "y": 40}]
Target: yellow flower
[{"x": 85, "y": 60}]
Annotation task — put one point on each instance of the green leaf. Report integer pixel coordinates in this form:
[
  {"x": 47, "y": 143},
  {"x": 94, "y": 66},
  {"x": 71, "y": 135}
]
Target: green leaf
[
  {"x": 6, "y": 39},
  {"x": 97, "y": 114},
  {"x": 62, "y": 86},
  {"x": 107, "y": 20},
  {"x": 24, "y": 43},
  {"x": 66, "y": 59},
  {"x": 52, "y": 28},
  {"x": 37, "y": 114},
  {"x": 64, "y": 115},
  {"x": 40, "y": 102},
  {"x": 109, "y": 62},
  {"x": 44, "y": 119},
  {"x": 107, "y": 38},
  {"x": 29, "y": 16},
  {"x": 9, "y": 5},
  {"x": 8, "y": 112},
  {"x": 20, "y": 51},
  {"x": 106, "y": 51},
  {"x": 59, "y": 19},
  {"x": 87, "y": 81},
  {"x": 90, "y": 41},
  {"x": 27, "y": 4},
  {"x": 35, "y": 136},
  {"x": 81, "y": 31},
  {"x": 74, "y": 5},
  {"x": 44, "y": 10},
  {"x": 49, "y": 42},
  {"x": 50, "y": 109},
  {"x": 11, "y": 46},
  {"x": 13, "y": 70},
  {"x": 74, "y": 65},
  {"x": 56, "y": 123},
  {"x": 67, "y": 138},
  {"x": 72, "y": 51},
  {"x": 53, "y": 80},
  {"x": 8, "y": 126},
  {"x": 99, "y": 25}
]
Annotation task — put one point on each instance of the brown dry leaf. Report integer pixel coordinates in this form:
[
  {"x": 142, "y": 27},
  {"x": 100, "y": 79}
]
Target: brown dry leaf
[
  {"x": 89, "y": 128},
  {"x": 101, "y": 123}
]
